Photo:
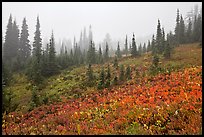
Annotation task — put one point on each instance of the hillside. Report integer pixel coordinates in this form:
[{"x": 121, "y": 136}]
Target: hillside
[{"x": 168, "y": 103}]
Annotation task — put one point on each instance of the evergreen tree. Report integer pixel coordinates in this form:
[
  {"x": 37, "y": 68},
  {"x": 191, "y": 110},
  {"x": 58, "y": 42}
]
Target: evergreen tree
[
  {"x": 197, "y": 29},
  {"x": 106, "y": 54},
  {"x": 100, "y": 55},
  {"x": 148, "y": 46},
  {"x": 115, "y": 63},
  {"x": 108, "y": 77},
  {"x": 134, "y": 47},
  {"x": 177, "y": 28},
  {"x": 52, "y": 58},
  {"x": 89, "y": 73},
  {"x": 128, "y": 72},
  {"x": 91, "y": 55},
  {"x": 153, "y": 45},
  {"x": 168, "y": 49},
  {"x": 126, "y": 46},
  {"x": 181, "y": 31},
  {"x": 24, "y": 46},
  {"x": 118, "y": 53},
  {"x": 130, "y": 48},
  {"x": 8, "y": 46},
  {"x": 163, "y": 41},
  {"x": 36, "y": 72},
  {"x": 122, "y": 75},
  {"x": 189, "y": 32},
  {"x": 102, "y": 80},
  {"x": 155, "y": 61},
  {"x": 144, "y": 50},
  {"x": 140, "y": 50},
  {"x": 158, "y": 44},
  {"x": 15, "y": 39}
]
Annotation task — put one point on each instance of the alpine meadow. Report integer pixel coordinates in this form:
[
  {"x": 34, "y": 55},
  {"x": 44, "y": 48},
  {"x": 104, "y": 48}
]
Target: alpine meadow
[{"x": 138, "y": 80}]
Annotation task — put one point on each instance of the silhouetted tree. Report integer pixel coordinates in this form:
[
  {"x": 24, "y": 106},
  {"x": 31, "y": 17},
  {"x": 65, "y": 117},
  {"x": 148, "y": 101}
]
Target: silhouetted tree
[
  {"x": 177, "y": 28},
  {"x": 134, "y": 47},
  {"x": 118, "y": 53},
  {"x": 24, "y": 46},
  {"x": 189, "y": 32},
  {"x": 106, "y": 54},
  {"x": 181, "y": 31},
  {"x": 126, "y": 46}
]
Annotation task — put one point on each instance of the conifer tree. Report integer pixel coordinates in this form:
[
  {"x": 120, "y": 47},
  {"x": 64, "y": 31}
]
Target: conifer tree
[
  {"x": 148, "y": 46},
  {"x": 106, "y": 54},
  {"x": 89, "y": 73},
  {"x": 140, "y": 50},
  {"x": 36, "y": 72},
  {"x": 115, "y": 63},
  {"x": 100, "y": 55},
  {"x": 122, "y": 74},
  {"x": 134, "y": 47},
  {"x": 118, "y": 53},
  {"x": 153, "y": 45},
  {"x": 158, "y": 44},
  {"x": 189, "y": 32},
  {"x": 144, "y": 50},
  {"x": 181, "y": 31},
  {"x": 101, "y": 80},
  {"x": 177, "y": 28},
  {"x": 15, "y": 39},
  {"x": 128, "y": 73},
  {"x": 108, "y": 77},
  {"x": 24, "y": 46},
  {"x": 163, "y": 41},
  {"x": 52, "y": 57},
  {"x": 126, "y": 46},
  {"x": 167, "y": 50},
  {"x": 8, "y": 41}
]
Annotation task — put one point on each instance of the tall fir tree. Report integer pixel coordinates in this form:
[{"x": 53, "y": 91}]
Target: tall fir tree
[
  {"x": 177, "y": 28},
  {"x": 168, "y": 48},
  {"x": 89, "y": 73},
  {"x": 52, "y": 57},
  {"x": 118, "y": 53},
  {"x": 181, "y": 31},
  {"x": 15, "y": 39},
  {"x": 36, "y": 72},
  {"x": 134, "y": 47},
  {"x": 158, "y": 44},
  {"x": 140, "y": 50},
  {"x": 163, "y": 43},
  {"x": 144, "y": 50},
  {"x": 106, "y": 54},
  {"x": 153, "y": 45},
  {"x": 24, "y": 46},
  {"x": 148, "y": 46},
  {"x": 126, "y": 46},
  {"x": 100, "y": 55},
  {"x": 8, "y": 46},
  {"x": 189, "y": 32}
]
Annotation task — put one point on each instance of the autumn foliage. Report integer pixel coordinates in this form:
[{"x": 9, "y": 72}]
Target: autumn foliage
[{"x": 163, "y": 104}]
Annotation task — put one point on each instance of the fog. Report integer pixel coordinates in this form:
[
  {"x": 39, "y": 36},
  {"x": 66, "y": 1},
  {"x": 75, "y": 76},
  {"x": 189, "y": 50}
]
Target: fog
[{"x": 116, "y": 18}]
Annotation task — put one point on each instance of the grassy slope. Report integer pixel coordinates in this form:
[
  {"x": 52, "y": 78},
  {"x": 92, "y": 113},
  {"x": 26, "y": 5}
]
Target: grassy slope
[{"x": 70, "y": 82}]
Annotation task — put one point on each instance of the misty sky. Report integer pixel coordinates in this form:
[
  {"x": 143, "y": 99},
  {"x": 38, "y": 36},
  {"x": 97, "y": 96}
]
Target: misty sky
[{"x": 116, "y": 18}]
